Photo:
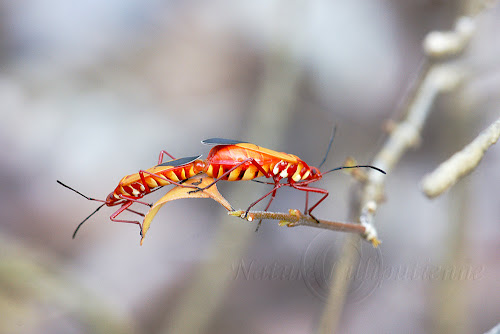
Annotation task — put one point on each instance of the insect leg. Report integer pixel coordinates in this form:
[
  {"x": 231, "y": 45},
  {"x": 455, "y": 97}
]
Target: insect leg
[
  {"x": 136, "y": 212},
  {"x": 119, "y": 211},
  {"x": 307, "y": 200},
  {"x": 263, "y": 182},
  {"x": 160, "y": 159},
  {"x": 314, "y": 190},
  {"x": 273, "y": 191},
  {"x": 267, "y": 207},
  {"x": 132, "y": 200}
]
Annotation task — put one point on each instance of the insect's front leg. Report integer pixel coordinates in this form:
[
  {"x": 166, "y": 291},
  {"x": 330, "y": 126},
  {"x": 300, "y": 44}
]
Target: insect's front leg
[{"x": 124, "y": 207}]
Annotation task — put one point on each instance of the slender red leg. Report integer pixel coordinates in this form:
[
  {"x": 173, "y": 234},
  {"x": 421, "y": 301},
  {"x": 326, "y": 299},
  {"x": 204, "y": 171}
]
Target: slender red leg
[
  {"x": 132, "y": 199},
  {"x": 136, "y": 212},
  {"x": 314, "y": 190},
  {"x": 144, "y": 183},
  {"x": 251, "y": 160},
  {"x": 267, "y": 207},
  {"x": 120, "y": 210},
  {"x": 307, "y": 201},
  {"x": 273, "y": 191},
  {"x": 160, "y": 159},
  {"x": 271, "y": 200}
]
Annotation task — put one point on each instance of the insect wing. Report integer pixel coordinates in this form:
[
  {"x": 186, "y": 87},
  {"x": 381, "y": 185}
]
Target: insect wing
[
  {"x": 168, "y": 165},
  {"x": 278, "y": 155},
  {"x": 221, "y": 141},
  {"x": 275, "y": 154}
]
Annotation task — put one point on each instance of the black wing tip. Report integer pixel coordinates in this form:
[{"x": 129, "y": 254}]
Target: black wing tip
[{"x": 221, "y": 141}]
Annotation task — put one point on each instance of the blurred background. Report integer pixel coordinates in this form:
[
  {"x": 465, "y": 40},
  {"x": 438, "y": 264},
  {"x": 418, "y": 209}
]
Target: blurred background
[{"x": 91, "y": 91}]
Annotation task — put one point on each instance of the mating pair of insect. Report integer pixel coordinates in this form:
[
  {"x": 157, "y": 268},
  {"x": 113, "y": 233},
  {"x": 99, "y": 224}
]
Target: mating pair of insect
[{"x": 228, "y": 160}]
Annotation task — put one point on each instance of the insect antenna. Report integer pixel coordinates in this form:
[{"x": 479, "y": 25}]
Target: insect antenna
[
  {"x": 90, "y": 199},
  {"x": 78, "y": 227},
  {"x": 329, "y": 146},
  {"x": 357, "y": 166},
  {"x": 79, "y": 193}
]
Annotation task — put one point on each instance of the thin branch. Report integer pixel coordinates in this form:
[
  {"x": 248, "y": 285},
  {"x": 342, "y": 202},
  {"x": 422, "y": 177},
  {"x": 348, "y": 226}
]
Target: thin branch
[
  {"x": 295, "y": 218},
  {"x": 406, "y": 134},
  {"x": 435, "y": 79},
  {"x": 461, "y": 163},
  {"x": 494, "y": 330}
]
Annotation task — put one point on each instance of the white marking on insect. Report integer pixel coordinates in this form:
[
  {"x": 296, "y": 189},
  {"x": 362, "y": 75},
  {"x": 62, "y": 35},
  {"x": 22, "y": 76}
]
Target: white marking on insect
[
  {"x": 276, "y": 168},
  {"x": 306, "y": 174},
  {"x": 296, "y": 176}
]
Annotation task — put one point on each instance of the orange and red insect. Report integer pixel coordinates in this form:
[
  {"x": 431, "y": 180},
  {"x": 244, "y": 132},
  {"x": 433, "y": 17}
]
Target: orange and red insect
[
  {"x": 229, "y": 160},
  {"x": 132, "y": 188},
  {"x": 234, "y": 160}
]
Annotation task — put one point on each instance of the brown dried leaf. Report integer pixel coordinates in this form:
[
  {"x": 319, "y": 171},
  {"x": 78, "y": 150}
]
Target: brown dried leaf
[{"x": 179, "y": 192}]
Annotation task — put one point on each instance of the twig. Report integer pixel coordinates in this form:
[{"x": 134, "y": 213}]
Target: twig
[
  {"x": 494, "y": 330},
  {"x": 436, "y": 79},
  {"x": 295, "y": 218},
  {"x": 461, "y": 163},
  {"x": 406, "y": 134}
]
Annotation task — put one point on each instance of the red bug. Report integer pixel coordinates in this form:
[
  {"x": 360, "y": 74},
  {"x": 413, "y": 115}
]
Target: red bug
[
  {"x": 133, "y": 187},
  {"x": 234, "y": 160}
]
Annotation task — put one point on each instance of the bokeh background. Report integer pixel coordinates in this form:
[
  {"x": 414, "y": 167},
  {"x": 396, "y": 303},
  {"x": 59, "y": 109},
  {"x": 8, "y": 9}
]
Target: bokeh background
[{"x": 91, "y": 91}]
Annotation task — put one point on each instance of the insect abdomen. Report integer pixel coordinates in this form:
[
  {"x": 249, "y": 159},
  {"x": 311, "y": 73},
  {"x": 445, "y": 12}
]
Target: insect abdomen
[
  {"x": 133, "y": 185},
  {"x": 222, "y": 158}
]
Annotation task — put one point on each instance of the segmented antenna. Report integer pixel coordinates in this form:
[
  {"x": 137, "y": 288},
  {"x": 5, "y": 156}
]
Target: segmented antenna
[
  {"x": 90, "y": 199},
  {"x": 357, "y": 166},
  {"x": 78, "y": 227},
  {"x": 329, "y": 146}
]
